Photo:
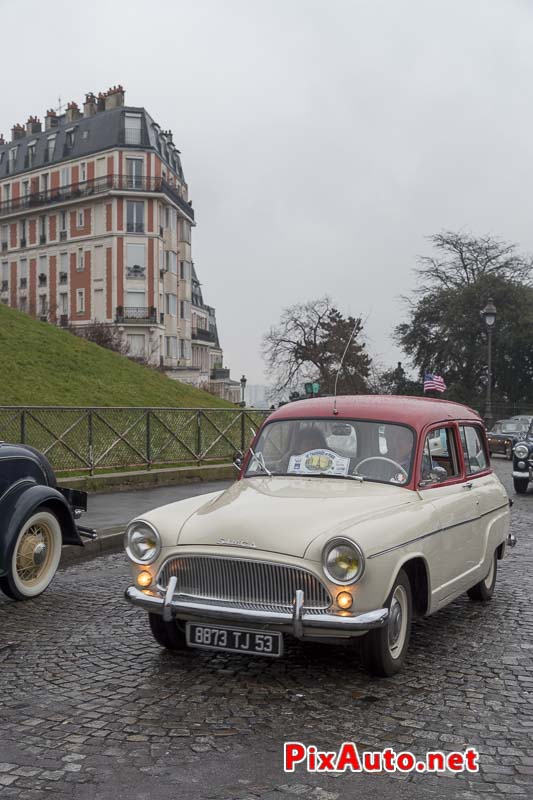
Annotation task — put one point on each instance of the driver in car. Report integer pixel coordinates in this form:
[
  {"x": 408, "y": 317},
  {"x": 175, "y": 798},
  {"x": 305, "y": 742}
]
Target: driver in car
[{"x": 400, "y": 445}]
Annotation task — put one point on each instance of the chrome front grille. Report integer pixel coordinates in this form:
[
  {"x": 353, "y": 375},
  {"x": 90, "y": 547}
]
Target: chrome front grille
[{"x": 243, "y": 582}]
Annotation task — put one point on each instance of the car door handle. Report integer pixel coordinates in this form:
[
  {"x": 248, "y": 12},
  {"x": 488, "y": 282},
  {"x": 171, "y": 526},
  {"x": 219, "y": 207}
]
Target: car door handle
[{"x": 467, "y": 485}]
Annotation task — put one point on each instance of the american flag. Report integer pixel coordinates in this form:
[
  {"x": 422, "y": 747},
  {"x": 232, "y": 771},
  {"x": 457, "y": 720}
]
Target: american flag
[{"x": 433, "y": 383}]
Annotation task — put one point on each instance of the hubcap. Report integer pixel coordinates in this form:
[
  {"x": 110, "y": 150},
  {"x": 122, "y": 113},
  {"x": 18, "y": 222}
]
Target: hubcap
[
  {"x": 397, "y": 621},
  {"x": 33, "y": 553}
]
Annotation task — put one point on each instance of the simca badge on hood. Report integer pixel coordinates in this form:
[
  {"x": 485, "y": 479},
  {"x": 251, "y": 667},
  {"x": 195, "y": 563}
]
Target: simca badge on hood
[{"x": 236, "y": 542}]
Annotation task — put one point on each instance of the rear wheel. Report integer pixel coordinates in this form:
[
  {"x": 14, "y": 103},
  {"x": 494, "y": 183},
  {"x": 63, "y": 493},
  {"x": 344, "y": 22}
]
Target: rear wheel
[
  {"x": 384, "y": 649},
  {"x": 483, "y": 591},
  {"x": 35, "y": 557},
  {"x": 520, "y": 485},
  {"x": 167, "y": 634}
]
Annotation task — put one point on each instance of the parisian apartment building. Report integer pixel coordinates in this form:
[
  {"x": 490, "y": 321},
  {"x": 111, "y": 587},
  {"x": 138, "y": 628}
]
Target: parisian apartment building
[{"x": 95, "y": 225}]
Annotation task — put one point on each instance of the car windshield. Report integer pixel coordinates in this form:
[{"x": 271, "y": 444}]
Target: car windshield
[
  {"x": 376, "y": 451},
  {"x": 511, "y": 427}
]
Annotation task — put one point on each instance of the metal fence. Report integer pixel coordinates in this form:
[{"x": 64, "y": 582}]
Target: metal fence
[{"x": 88, "y": 439}]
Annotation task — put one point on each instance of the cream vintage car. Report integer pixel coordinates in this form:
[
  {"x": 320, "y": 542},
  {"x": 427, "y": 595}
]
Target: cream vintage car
[{"x": 349, "y": 519}]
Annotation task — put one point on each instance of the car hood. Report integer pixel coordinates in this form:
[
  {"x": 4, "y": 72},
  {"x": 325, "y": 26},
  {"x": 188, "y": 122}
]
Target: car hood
[{"x": 285, "y": 515}]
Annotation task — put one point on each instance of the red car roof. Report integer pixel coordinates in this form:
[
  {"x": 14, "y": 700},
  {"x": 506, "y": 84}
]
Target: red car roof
[{"x": 415, "y": 411}]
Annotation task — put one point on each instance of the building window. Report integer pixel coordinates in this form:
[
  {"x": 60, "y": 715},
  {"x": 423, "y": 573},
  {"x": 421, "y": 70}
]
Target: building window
[
  {"x": 69, "y": 140},
  {"x": 132, "y": 129},
  {"x": 50, "y": 145},
  {"x": 30, "y": 155},
  {"x": 23, "y": 273},
  {"x": 79, "y": 263},
  {"x": 185, "y": 231},
  {"x": 44, "y": 183},
  {"x": 4, "y": 237},
  {"x": 83, "y": 172},
  {"x": 5, "y": 276},
  {"x": 23, "y": 304},
  {"x": 171, "y": 262},
  {"x": 25, "y": 189},
  {"x": 171, "y": 304},
  {"x": 7, "y": 194},
  {"x": 23, "y": 233},
  {"x": 134, "y": 173},
  {"x": 185, "y": 270},
  {"x": 135, "y": 216},
  {"x": 81, "y": 218},
  {"x": 42, "y": 230},
  {"x": 171, "y": 345},
  {"x": 182, "y": 309},
  {"x": 63, "y": 303},
  {"x": 65, "y": 176},
  {"x": 12, "y": 159},
  {"x": 136, "y": 345},
  {"x": 43, "y": 305},
  {"x": 136, "y": 299},
  {"x": 80, "y": 301},
  {"x": 43, "y": 271},
  {"x": 136, "y": 261},
  {"x": 63, "y": 221}
]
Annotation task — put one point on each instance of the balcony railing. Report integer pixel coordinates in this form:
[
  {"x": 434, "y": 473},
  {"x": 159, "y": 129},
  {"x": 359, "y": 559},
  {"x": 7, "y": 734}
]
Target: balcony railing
[
  {"x": 203, "y": 334},
  {"x": 75, "y": 191},
  {"x": 136, "y": 272},
  {"x": 43, "y": 280},
  {"x": 135, "y": 227},
  {"x": 63, "y": 277},
  {"x": 5, "y": 286},
  {"x": 135, "y": 314}
]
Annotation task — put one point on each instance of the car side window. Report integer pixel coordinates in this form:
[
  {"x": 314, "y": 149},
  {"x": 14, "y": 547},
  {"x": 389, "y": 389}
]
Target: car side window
[
  {"x": 474, "y": 449},
  {"x": 439, "y": 458}
]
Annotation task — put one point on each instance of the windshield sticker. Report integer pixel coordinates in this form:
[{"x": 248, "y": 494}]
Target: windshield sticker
[{"x": 314, "y": 461}]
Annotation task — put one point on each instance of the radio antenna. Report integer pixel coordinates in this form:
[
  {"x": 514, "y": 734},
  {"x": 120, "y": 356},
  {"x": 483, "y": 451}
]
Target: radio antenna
[{"x": 335, "y": 412}]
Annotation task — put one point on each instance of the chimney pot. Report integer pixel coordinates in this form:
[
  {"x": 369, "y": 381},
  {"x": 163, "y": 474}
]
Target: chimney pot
[
  {"x": 114, "y": 97},
  {"x": 17, "y": 132},
  {"x": 90, "y": 105},
  {"x": 33, "y": 125}
]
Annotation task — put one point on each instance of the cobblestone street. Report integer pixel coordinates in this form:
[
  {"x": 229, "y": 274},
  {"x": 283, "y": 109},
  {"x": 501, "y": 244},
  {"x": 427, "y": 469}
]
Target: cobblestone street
[{"x": 92, "y": 707}]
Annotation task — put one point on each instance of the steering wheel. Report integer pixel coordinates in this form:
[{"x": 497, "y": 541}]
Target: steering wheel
[{"x": 381, "y": 458}]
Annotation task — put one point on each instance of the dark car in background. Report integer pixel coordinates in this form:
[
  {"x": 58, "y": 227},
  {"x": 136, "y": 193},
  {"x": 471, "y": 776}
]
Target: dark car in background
[
  {"x": 504, "y": 435},
  {"x": 37, "y": 517},
  {"x": 523, "y": 462}
]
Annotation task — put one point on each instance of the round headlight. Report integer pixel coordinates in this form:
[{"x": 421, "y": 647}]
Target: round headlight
[
  {"x": 343, "y": 561},
  {"x": 521, "y": 451},
  {"x": 143, "y": 543}
]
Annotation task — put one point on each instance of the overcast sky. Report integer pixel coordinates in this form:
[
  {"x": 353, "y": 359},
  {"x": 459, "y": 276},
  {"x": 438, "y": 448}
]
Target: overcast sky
[{"x": 322, "y": 140}]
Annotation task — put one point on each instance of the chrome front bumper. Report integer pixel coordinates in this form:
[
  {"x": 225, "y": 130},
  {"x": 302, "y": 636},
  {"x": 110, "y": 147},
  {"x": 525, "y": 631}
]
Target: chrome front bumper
[
  {"x": 170, "y": 607},
  {"x": 521, "y": 474}
]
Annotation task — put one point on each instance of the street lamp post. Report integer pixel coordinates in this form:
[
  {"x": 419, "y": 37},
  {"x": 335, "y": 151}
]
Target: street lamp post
[
  {"x": 489, "y": 316},
  {"x": 243, "y": 387}
]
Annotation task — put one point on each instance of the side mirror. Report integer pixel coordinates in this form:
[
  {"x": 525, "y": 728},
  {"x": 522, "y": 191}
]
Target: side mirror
[{"x": 238, "y": 459}]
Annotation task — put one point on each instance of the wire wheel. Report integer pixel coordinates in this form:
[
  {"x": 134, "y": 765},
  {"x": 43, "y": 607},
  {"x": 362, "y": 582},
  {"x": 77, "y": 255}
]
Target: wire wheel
[{"x": 35, "y": 557}]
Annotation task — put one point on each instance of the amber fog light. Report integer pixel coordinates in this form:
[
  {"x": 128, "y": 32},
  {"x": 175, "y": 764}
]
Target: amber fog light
[
  {"x": 344, "y": 600},
  {"x": 144, "y": 579}
]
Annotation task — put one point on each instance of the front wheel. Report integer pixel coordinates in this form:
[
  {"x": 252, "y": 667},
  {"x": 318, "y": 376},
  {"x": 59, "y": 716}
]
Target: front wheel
[
  {"x": 385, "y": 649},
  {"x": 35, "y": 558},
  {"x": 509, "y": 452},
  {"x": 520, "y": 485},
  {"x": 167, "y": 634},
  {"x": 483, "y": 591}
]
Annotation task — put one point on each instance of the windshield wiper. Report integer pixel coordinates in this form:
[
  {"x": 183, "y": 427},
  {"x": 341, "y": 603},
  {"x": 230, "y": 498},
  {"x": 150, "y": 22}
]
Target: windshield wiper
[
  {"x": 325, "y": 475},
  {"x": 261, "y": 461}
]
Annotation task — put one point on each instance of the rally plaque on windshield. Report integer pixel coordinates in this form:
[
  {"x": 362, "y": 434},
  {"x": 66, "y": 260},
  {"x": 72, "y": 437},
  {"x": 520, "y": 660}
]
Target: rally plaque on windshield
[{"x": 314, "y": 462}]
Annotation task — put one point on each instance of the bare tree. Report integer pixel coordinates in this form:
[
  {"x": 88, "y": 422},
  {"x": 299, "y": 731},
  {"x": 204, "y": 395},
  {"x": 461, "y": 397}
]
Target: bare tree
[
  {"x": 308, "y": 345},
  {"x": 103, "y": 335},
  {"x": 462, "y": 259}
]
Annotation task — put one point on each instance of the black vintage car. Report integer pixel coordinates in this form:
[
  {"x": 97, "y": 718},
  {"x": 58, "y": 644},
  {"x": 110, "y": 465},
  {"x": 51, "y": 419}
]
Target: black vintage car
[
  {"x": 36, "y": 519},
  {"x": 523, "y": 462},
  {"x": 504, "y": 435}
]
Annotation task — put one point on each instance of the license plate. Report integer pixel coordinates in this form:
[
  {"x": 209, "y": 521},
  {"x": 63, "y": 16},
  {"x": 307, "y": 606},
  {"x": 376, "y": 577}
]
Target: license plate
[{"x": 234, "y": 640}]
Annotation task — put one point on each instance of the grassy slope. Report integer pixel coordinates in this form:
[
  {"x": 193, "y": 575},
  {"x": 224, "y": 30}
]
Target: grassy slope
[{"x": 44, "y": 365}]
